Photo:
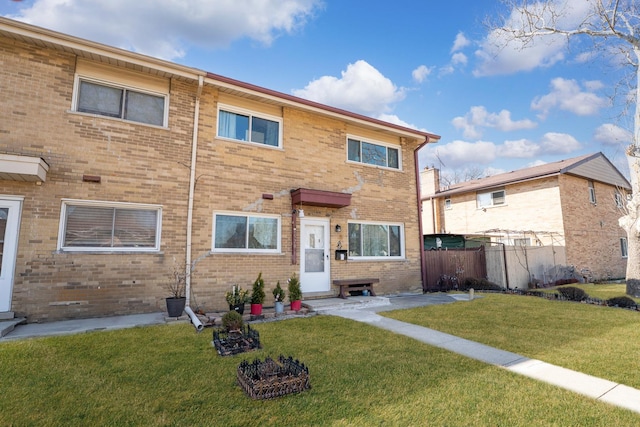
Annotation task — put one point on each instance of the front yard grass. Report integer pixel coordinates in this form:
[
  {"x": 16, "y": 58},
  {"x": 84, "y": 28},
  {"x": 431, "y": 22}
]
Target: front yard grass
[
  {"x": 603, "y": 291},
  {"x": 360, "y": 376},
  {"x": 597, "y": 340}
]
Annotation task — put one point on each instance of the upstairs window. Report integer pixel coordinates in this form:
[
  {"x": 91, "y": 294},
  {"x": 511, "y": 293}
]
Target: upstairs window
[
  {"x": 106, "y": 226},
  {"x": 619, "y": 199},
  {"x": 623, "y": 247},
  {"x": 447, "y": 203},
  {"x": 121, "y": 102},
  {"x": 490, "y": 199},
  {"x": 592, "y": 192},
  {"x": 375, "y": 240},
  {"x": 246, "y": 126},
  {"x": 373, "y": 154}
]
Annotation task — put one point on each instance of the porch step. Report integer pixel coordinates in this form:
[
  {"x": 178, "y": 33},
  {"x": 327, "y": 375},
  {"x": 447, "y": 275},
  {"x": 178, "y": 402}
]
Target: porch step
[
  {"x": 352, "y": 302},
  {"x": 7, "y": 326}
]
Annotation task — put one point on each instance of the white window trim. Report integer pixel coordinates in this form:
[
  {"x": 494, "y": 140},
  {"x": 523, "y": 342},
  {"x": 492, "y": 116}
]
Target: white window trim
[
  {"x": 447, "y": 206},
  {"x": 618, "y": 199},
  {"x": 76, "y": 93},
  {"x": 592, "y": 192},
  {"x": 492, "y": 205},
  {"x": 278, "y": 218},
  {"x": 106, "y": 204},
  {"x": 374, "y": 142},
  {"x": 251, "y": 114},
  {"x": 380, "y": 258},
  {"x": 626, "y": 247}
]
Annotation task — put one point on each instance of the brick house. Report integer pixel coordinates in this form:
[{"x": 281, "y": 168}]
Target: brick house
[
  {"x": 115, "y": 166},
  {"x": 573, "y": 203}
]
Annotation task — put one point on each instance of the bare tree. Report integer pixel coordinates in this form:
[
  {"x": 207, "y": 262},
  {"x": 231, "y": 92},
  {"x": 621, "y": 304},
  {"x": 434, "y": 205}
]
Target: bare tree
[
  {"x": 612, "y": 28},
  {"x": 455, "y": 176}
]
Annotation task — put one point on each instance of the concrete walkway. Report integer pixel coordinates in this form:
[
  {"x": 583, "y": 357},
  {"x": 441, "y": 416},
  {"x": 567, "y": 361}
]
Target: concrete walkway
[
  {"x": 596, "y": 388},
  {"x": 365, "y": 309}
]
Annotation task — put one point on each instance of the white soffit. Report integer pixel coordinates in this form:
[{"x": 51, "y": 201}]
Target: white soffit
[{"x": 22, "y": 168}]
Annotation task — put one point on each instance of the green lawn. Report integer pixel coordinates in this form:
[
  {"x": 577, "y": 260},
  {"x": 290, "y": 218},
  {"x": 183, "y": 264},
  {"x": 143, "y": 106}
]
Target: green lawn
[
  {"x": 598, "y": 340},
  {"x": 602, "y": 291},
  {"x": 360, "y": 376}
]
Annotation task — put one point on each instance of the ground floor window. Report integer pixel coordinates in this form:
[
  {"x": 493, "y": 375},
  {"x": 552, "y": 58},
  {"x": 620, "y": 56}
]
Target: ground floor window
[
  {"x": 109, "y": 226},
  {"x": 239, "y": 232},
  {"x": 376, "y": 240}
]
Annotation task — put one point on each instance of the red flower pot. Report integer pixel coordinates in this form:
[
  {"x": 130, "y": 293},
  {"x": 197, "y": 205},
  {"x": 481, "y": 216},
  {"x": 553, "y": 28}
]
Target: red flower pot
[
  {"x": 296, "y": 305},
  {"x": 256, "y": 309}
]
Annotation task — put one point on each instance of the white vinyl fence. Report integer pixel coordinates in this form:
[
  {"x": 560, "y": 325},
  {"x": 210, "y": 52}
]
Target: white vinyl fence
[{"x": 516, "y": 267}]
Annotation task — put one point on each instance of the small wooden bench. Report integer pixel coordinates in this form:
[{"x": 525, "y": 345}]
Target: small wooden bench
[{"x": 347, "y": 285}]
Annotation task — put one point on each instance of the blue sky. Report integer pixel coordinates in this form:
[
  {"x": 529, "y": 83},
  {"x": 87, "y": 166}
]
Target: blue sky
[{"x": 422, "y": 64}]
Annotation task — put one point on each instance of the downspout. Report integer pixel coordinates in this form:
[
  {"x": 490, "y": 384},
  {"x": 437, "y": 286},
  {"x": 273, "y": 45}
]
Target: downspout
[
  {"x": 192, "y": 186},
  {"x": 423, "y": 272}
]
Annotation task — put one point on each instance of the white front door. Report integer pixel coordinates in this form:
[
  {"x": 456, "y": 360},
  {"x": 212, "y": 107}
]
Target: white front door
[
  {"x": 9, "y": 224},
  {"x": 314, "y": 255}
]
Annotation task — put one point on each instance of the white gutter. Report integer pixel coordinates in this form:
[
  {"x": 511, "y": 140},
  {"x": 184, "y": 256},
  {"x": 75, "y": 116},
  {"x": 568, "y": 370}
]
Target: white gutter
[{"x": 192, "y": 186}]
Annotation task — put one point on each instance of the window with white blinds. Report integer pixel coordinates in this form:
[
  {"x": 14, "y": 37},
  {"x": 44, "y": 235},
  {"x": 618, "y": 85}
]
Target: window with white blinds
[{"x": 109, "y": 227}]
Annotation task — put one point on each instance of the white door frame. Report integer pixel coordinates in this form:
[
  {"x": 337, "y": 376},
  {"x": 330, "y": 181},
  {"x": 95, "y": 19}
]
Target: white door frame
[
  {"x": 319, "y": 279},
  {"x": 9, "y": 249}
]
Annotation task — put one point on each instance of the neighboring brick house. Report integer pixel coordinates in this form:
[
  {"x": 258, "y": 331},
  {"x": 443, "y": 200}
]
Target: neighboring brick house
[
  {"x": 573, "y": 203},
  {"x": 115, "y": 166}
]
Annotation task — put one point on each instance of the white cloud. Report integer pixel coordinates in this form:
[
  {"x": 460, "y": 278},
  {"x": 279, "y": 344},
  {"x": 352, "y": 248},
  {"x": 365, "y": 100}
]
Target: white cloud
[
  {"x": 459, "y": 59},
  {"x": 392, "y": 118},
  {"x": 361, "y": 88},
  {"x": 567, "y": 95},
  {"x": 490, "y": 171},
  {"x": 536, "y": 163},
  {"x": 499, "y": 53},
  {"x": 610, "y": 134},
  {"x": 421, "y": 73},
  {"x": 521, "y": 148},
  {"x": 499, "y": 57},
  {"x": 458, "y": 154},
  {"x": 559, "y": 143},
  {"x": 478, "y": 117},
  {"x": 460, "y": 42},
  {"x": 163, "y": 28}
]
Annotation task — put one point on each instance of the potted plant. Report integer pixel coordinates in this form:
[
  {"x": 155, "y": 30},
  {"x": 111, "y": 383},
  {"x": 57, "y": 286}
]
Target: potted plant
[
  {"x": 237, "y": 298},
  {"x": 278, "y": 296},
  {"x": 176, "y": 285},
  {"x": 295, "y": 293},
  {"x": 257, "y": 296}
]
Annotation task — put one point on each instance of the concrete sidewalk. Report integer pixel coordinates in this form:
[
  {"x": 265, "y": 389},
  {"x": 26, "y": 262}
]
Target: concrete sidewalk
[
  {"x": 365, "y": 309},
  {"x": 596, "y": 388}
]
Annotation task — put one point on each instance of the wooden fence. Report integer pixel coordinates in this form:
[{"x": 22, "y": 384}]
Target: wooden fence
[
  {"x": 445, "y": 267},
  {"x": 513, "y": 267}
]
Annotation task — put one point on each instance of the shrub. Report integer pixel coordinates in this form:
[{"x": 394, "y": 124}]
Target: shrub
[
  {"x": 572, "y": 293},
  {"x": 278, "y": 293},
  {"x": 257, "y": 294},
  {"x": 624, "y": 302},
  {"x": 232, "y": 321},
  {"x": 486, "y": 285},
  {"x": 470, "y": 282},
  {"x": 295, "y": 293},
  {"x": 479, "y": 285}
]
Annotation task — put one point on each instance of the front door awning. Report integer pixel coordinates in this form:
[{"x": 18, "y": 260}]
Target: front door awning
[
  {"x": 23, "y": 168},
  {"x": 328, "y": 199}
]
